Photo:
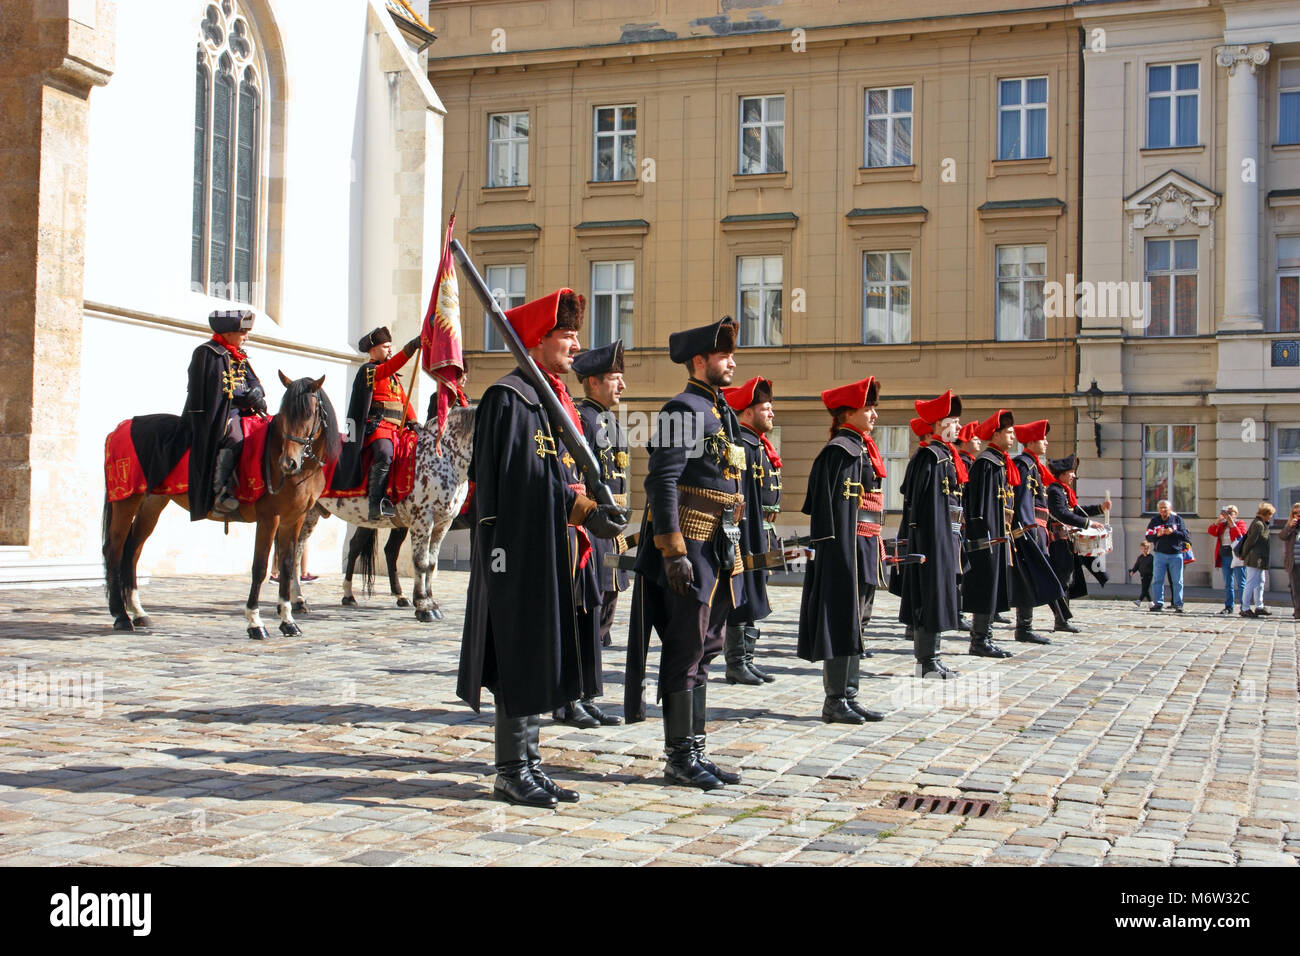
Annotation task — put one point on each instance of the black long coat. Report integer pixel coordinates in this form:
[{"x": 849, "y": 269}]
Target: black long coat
[
  {"x": 1034, "y": 582},
  {"x": 607, "y": 440},
  {"x": 829, "y": 624},
  {"x": 985, "y": 588},
  {"x": 755, "y": 606},
  {"x": 209, "y": 404},
  {"x": 928, "y": 591},
  {"x": 1068, "y": 565},
  {"x": 520, "y": 638}
]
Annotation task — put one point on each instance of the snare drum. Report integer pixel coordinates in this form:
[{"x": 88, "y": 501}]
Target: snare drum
[{"x": 1091, "y": 543}]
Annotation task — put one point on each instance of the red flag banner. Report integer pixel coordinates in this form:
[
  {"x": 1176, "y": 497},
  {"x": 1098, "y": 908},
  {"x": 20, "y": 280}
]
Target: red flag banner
[{"x": 440, "y": 338}]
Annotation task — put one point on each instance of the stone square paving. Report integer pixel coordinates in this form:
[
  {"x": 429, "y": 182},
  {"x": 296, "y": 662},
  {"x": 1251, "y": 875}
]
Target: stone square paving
[{"x": 1148, "y": 739}]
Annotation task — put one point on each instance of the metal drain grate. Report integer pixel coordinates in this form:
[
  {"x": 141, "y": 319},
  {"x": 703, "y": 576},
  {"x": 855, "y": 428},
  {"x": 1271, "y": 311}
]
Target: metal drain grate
[{"x": 957, "y": 806}]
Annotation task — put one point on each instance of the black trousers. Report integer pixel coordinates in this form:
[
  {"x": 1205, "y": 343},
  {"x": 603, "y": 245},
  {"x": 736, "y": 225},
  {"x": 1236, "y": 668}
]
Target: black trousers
[
  {"x": 1146, "y": 588},
  {"x": 381, "y": 452},
  {"x": 693, "y": 638},
  {"x": 866, "y": 603},
  {"x": 608, "y": 603}
]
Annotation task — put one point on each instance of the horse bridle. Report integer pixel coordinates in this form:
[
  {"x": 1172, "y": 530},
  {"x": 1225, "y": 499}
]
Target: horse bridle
[{"x": 308, "y": 453}]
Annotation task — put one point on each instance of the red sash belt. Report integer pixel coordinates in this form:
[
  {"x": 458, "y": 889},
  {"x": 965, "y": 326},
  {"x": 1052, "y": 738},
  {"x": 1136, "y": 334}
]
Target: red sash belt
[
  {"x": 1041, "y": 522},
  {"x": 873, "y": 501},
  {"x": 868, "y": 529}
]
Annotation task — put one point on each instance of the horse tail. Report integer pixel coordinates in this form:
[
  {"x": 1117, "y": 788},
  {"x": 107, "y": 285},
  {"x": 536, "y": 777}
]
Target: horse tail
[{"x": 366, "y": 545}]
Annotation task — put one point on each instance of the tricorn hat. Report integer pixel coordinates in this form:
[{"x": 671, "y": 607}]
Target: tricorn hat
[
  {"x": 937, "y": 409},
  {"x": 231, "y": 320},
  {"x": 563, "y": 309},
  {"x": 994, "y": 423},
  {"x": 705, "y": 340},
  {"x": 753, "y": 392},
  {"x": 1034, "y": 431},
  {"x": 374, "y": 337},
  {"x": 607, "y": 358}
]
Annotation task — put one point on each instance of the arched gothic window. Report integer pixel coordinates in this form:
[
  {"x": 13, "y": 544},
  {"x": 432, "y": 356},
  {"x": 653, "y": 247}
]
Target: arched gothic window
[{"x": 227, "y": 155}]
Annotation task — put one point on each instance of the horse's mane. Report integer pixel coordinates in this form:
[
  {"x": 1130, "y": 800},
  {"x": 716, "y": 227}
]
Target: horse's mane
[{"x": 296, "y": 404}]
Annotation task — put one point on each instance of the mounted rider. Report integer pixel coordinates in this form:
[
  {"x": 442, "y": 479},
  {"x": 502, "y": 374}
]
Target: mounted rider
[
  {"x": 379, "y": 406},
  {"x": 223, "y": 390}
]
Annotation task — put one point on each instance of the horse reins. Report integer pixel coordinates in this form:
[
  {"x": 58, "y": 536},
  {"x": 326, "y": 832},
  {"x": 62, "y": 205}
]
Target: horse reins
[{"x": 308, "y": 453}]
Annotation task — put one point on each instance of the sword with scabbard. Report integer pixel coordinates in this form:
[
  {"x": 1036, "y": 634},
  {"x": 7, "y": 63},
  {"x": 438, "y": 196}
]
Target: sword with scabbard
[{"x": 561, "y": 424}]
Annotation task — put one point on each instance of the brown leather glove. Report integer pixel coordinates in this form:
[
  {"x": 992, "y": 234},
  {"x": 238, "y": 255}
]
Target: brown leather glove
[
  {"x": 681, "y": 576},
  {"x": 411, "y": 347}
]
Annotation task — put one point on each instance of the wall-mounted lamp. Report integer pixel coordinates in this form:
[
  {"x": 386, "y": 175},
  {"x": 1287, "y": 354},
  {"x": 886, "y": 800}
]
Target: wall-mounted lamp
[{"x": 1094, "y": 396}]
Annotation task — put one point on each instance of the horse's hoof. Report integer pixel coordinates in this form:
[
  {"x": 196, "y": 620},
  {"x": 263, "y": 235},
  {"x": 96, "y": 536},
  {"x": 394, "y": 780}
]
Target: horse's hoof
[
  {"x": 123, "y": 623},
  {"x": 403, "y": 602},
  {"x": 300, "y": 607},
  {"x": 142, "y": 621},
  {"x": 349, "y": 602},
  {"x": 424, "y": 616},
  {"x": 257, "y": 634},
  {"x": 436, "y": 612},
  {"x": 290, "y": 629}
]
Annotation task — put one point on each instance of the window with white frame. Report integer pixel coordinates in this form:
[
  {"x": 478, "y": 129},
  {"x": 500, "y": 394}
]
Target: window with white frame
[
  {"x": 611, "y": 303},
  {"x": 224, "y": 240},
  {"x": 507, "y": 284},
  {"x": 508, "y": 149},
  {"x": 1173, "y": 104},
  {"x": 886, "y": 298},
  {"x": 1169, "y": 467},
  {"x": 1022, "y": 118},
  {"x": 615, "y": 147},
  {"x": 892, "y": 440},
  {"x": 1288, "y": 101},
  {"x": 1288, "y": 283},
  {"x": 889, "y": 127},
  {"x": 1021, "y": 272},
  {"x": 1171, "y": 277},
  {"x": 758, "y": 299},
  {"x": 1286, "y": 482},
  {"x": 762, "y": 134}
]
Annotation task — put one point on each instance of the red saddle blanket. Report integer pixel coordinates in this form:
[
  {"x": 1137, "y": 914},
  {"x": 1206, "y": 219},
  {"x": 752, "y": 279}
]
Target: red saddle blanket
[
  {"x": 124, "y": 475},
  {"x": 401, "y": 477}
]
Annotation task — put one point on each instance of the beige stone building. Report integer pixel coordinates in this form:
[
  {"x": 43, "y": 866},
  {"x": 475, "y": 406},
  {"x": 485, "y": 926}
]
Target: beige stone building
[
  {"x": 878, "y": 188},
  {"x": 1191, "y": 165}
]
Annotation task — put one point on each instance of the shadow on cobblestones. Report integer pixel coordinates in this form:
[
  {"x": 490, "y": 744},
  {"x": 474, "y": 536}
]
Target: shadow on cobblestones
[{"x": 297, "y": 714}]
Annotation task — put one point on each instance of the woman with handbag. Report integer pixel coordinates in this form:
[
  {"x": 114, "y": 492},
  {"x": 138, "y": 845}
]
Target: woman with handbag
[
  {"x": 1226, "y": 531},
  {"x": 1254, "y": 551}
]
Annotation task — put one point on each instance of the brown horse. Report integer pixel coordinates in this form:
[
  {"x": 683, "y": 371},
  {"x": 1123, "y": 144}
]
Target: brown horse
[{"x": 302, "y": 437}]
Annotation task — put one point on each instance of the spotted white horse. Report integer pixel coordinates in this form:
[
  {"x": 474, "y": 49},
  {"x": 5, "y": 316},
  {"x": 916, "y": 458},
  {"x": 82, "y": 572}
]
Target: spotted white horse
[{"x": 436, "y": 498}]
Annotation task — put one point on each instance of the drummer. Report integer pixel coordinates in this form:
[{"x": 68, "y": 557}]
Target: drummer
[{"x": 1066, "y": 517}]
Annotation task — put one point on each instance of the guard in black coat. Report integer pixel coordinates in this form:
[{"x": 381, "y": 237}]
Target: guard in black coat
[
  {"x": 223, "y": 389},
  {"x": 600, "y": 372},
  {"x": 521, "y": 638},
  {"x": 690, "y": 560},
  {"x": 1035, "y": 582},
  {"x": 985, "y": 585},
  {"x": 931, "y": 526},
  {"x": 846, "y": 548},
  {"x": 969, "y": 446},
  {"x": 1065, "y": 514},
  {"x": 752, "y": 403}
]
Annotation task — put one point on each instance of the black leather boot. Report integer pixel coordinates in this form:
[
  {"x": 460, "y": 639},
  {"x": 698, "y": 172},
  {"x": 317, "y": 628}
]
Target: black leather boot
[
  {"x": 999, "y": 619},
  {"x": 851, "y": 691},
  {"x": 699, "y": 716},
  {"x": 963, "y": 623},
  {"x": 1025, "y": 628},
  {"x": 749, "y": 635},
  {"x": 682, "y": 765},
  {"x": 835, "y": 679},
  {"x": 981, "y": 638},
  {"x": 926, "y": 645},
  {"x": 535, "y": 764},
  {"x": 1059, "y": 611},
  {"x": 224, "y": 500},
  {"x": 515, "y": 782},
  {"x": 575, "y": 715},
  {"x": 376, "y": 485},
  {"x": 733, "y": 650},
  {"x": 604, "y": 719}
]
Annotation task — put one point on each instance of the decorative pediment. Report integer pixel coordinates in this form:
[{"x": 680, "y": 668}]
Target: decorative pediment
[{"x": 1170, "y": 201}]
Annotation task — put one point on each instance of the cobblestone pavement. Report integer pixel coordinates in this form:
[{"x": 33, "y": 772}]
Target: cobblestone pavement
[{"x": 1148, "y": 739}]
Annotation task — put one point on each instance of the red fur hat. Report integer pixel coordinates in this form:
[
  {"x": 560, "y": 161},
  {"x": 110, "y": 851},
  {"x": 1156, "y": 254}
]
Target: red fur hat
[
  {"x": 994, "y": 423},
  {"x": 857, "y": 395},
  {"x": 562, "y": 309},
  {"x": 753, "y": 392},
  {"x": 1034, "y": 431},
  {"x": 937, "y": 409}
]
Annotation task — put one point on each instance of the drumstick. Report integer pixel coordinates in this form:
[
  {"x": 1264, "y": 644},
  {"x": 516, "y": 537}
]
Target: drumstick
[{"x": 1108, "y": 510}]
